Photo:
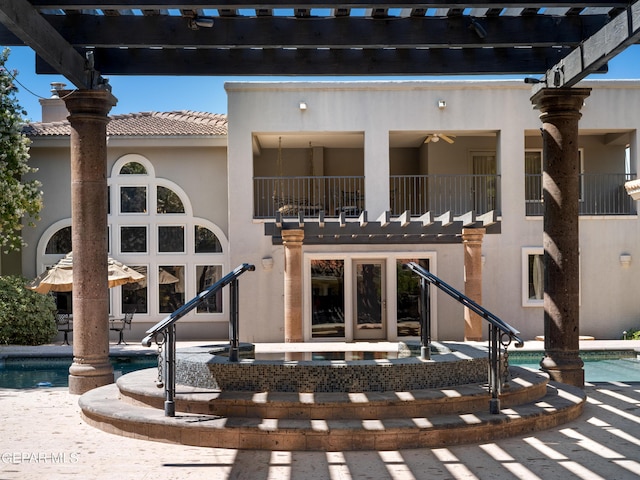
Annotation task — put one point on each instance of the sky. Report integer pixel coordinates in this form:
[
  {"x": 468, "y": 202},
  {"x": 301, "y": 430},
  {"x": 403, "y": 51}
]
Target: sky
[{"x": 206, "y": 94}]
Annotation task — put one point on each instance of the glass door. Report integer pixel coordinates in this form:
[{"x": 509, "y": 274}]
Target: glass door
[{"x": 370, "y": 300}]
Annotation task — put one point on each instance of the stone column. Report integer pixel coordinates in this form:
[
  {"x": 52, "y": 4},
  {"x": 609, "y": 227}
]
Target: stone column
[
  {"x": 292, "y": 241},
  {"x": 560, "y": 114},
  {"x": 88, "y": 110},
  {"x": 472, "y": 241}
]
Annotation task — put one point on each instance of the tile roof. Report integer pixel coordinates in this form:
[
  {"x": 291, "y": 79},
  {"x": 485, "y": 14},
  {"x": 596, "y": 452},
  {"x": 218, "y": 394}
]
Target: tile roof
[{"x": 181, "y": 122}]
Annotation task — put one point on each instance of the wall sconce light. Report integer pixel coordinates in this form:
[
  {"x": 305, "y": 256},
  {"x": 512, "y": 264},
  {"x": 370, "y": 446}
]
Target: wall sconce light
[
  {"x": 625, "y": 259},
  {"x": 196, "y": 23},
  {"x": 267, "y": 263},
  {"x": 303, "y": 106},
  {"x": 442, "y": 104}
]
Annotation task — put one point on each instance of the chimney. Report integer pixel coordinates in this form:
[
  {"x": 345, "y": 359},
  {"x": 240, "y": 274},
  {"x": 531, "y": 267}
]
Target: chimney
[{"x": 53, "y": 108}]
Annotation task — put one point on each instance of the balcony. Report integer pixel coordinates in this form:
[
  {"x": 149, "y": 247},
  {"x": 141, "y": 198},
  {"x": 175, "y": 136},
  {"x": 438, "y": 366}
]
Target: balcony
[
  {"x": 438, "y": 194},
  {"x": 334, "y": 195},
  {"x": 310, "y": 195},
  {"x": 600, "y": 194}
]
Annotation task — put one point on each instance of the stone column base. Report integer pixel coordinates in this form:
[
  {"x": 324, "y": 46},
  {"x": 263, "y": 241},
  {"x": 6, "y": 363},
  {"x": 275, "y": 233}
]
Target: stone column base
[
  {"x": 85, "y": 377},
  {"x": 564, "y": 367}
]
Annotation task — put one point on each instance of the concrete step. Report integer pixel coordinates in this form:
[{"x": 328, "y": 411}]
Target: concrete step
[
  {"x": 107, "y": 409},
  {"x": 139, "y": 388}
]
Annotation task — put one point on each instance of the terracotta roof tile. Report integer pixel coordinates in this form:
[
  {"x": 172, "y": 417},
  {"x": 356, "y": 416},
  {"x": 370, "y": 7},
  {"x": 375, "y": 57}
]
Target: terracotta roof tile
[{"x": 182, "y": 122}]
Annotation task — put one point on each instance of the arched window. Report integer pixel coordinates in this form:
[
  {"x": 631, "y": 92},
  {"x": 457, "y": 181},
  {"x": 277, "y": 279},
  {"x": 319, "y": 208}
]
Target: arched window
[
  {"x": 168, "y": 201},
  {"x": 59, "y": 243},
  {"x": 206, "y": 241},
  {"x": 133, "y": 168}
]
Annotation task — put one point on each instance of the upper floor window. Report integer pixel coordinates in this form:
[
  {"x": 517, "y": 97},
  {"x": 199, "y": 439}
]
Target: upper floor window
[
  {"x": 171, "y": 239},
  {"x": 60, "y": 242},
  {"x": 168, "y": 201},
  {"x": 133, "y": 168},
  {"x": 133, "y": 199},
  {"x": 206, "y": 241}
]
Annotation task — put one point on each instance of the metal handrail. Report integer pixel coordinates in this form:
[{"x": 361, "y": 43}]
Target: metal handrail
[
  {"x": 501, "y": 334},
  {"x": 164, "y": 333}
]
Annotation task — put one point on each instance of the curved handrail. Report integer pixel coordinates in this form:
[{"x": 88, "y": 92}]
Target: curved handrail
[
  {"x": 467, "y": 302},
  {"x": 164, "y": 333},
  {"x": 173, "y": 317},
  {"x": 498, "y": 328}
]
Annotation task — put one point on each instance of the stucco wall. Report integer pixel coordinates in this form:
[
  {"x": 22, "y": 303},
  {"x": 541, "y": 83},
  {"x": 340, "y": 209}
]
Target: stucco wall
[{"x": 500, "y": 108}]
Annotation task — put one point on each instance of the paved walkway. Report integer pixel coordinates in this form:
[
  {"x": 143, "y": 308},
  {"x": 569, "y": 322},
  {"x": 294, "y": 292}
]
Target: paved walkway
[{"x": 43, "y": 437}]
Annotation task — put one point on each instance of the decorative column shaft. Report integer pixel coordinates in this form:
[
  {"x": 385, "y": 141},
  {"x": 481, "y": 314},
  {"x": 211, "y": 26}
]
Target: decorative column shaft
[
  {"x": 88, "y": 110},
  {"x": 472, "y": 241},
  {"x": 292, "y": 241},
  {"x": 560, "y": 115}
]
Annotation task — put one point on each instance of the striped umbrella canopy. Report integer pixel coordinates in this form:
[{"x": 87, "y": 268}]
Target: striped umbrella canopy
[{"x": 59, "y": 278}]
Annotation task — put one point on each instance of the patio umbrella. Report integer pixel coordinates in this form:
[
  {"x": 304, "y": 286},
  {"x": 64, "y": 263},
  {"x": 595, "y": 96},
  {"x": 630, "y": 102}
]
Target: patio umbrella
[{"x": 59, "y": 278}]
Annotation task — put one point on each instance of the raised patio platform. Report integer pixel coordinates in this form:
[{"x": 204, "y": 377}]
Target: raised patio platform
[{"x": 331, "y": 421}]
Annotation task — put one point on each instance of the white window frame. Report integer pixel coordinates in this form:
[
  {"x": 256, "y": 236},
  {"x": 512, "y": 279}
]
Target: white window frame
[
  {"x": 529, "y": 302},
  {"x": 184, "y": 238},
  {"x": 526, "y": 300},
  {"x": 349, "y": 258}
]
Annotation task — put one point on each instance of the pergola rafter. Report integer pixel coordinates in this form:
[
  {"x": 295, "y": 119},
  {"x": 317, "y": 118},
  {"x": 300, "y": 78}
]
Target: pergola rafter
[{"x": 320, "y": 37}]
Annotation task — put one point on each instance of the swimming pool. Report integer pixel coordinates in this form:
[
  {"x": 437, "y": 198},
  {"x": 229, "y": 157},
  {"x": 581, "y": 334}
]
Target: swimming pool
[
  {"x": 41, "y": 372},
  {"x": 601, "y": 366}
]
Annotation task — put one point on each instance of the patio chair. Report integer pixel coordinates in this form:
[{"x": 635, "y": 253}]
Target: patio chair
[
  {"x": 120, "y": 324},
  {"x": 64, "y": 322}
]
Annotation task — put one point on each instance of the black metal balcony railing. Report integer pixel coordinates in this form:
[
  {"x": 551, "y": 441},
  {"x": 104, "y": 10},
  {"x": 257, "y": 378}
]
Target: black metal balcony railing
[
  {"x": 334, "y": 195},
  {"x": 308, "y": 195},
  {"x": 438, "y": 194},
  {"x": 600, "y": 194}
]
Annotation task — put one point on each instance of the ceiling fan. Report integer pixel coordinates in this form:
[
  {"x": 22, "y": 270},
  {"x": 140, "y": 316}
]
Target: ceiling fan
[{"x": 435, "y": 137}]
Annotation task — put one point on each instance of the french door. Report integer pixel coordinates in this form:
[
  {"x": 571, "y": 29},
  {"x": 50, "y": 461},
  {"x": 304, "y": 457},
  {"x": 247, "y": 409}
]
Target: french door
[{"x": 369, "y": 300}]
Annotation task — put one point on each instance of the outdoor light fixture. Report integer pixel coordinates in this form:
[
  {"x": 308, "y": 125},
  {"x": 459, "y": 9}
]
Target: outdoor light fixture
[
  {"x": 267, "y": 263},
  {"x": 476, "y": 27},
  {"x": 196, "y": 23},
  {"x": 442, "y": 104},
  {"x": 625, "y": 259},
  {"x": 532, "y": 80},
  {"x": 303, "y": 106}
]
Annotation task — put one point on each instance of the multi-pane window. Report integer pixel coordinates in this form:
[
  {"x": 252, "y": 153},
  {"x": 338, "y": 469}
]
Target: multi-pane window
[
  {"x": 171, "y": 288},
  {"x": 135, "y": 295},
  {"x": 170, "y": 239},
  {"x": 168, "y": 201},
  {"x": 133, "y": 239},
  {"x": 133, "y": 199},
  {"x": 60, "y": 242},
  {"x": 207, "y": 275},
  {"x": 133, "y": 168},
  {"x": 156, "y": 234},
  {"x": 408, "y": 298},
  {"x": 206, "y": 241}
]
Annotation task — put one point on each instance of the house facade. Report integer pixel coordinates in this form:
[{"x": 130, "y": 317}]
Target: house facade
[{"x": 352, "y": 180}]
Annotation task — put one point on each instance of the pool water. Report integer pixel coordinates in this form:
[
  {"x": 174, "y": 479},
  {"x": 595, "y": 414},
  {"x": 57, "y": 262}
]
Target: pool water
[
  {"x": 596, "y": 370},
  {"x": 38, "y": 372}
]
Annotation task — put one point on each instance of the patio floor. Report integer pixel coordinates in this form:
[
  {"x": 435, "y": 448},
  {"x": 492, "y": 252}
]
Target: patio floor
[{"x": 43, "y": 436}]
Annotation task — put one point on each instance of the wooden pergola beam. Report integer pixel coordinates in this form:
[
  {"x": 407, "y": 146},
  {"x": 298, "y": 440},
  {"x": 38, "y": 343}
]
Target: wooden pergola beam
[
  {"x": 27, "y": 24},
  {"x": 621, "y": 32}
]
